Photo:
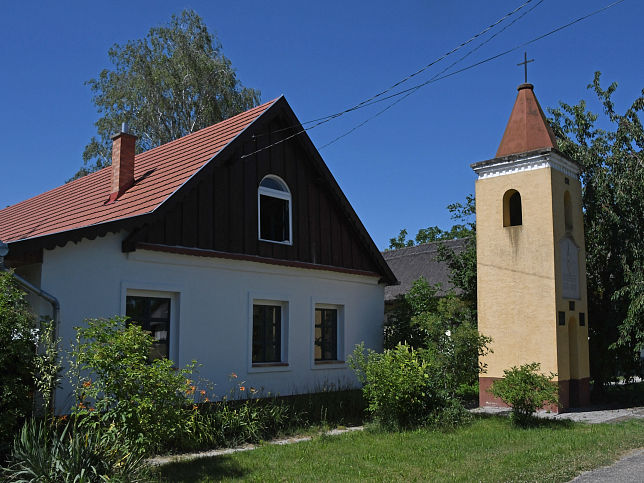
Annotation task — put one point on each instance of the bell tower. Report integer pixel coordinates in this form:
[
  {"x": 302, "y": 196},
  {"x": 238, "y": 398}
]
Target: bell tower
[{"x": 531, "y": 262}]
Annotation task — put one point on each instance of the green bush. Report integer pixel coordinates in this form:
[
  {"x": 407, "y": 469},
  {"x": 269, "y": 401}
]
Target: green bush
[
  {"x": 18, "y": 343},
  {"x": 444, "y": 330},
  {"x": 525, "y": 390},
  {"x": 402, "y": 388},
  {"x": 121, "y": 393},
  {"x": 41, "y": 452}
]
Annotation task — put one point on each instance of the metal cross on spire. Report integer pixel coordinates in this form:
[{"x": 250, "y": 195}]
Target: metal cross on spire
[{"x": 525, "y": 65}]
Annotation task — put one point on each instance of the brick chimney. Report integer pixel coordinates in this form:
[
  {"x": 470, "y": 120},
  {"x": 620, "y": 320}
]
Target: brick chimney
[{"x": 122, "y": 163}]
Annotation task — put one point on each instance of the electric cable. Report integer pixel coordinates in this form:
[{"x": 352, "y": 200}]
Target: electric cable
[
  {"x": 407, "y": 92},
  {"x": 324, "y": 119}
]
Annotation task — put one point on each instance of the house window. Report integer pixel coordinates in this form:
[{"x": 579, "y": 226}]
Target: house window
[
  {"x": 512, "y": 215},
  {"x": 326, "y": 334},
  {"x": 267, "y": 333},
  {"x": 274, "y": 208},
  {"x": 153, "y": 315}
]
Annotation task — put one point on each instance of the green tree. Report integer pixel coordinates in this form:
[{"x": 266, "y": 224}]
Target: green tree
[
  {"x": 173, "y": 82},
  {"x": 462, "y": 263},
  {"x": 400, "y": 241},
  {"x": 18, "y": 342},
  {"x": 445, "y": 332},
  {"x": 612, "y": 173}
]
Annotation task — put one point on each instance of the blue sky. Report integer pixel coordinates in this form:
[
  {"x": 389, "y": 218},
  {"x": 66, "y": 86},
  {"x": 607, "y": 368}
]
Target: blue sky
[{"x": 399, "y": 170}]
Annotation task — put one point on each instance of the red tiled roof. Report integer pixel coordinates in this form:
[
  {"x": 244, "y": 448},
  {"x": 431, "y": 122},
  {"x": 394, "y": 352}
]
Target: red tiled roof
[
  {"x": 81, "y": 202},
  {"x": 528, "y": 128}
]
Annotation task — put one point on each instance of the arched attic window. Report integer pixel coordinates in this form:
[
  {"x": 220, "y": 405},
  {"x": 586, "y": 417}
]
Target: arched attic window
[
  {"x": 567, "y": 212},
  {"x": 274, "y": 210},
  {"x": 512, "y": 215}
]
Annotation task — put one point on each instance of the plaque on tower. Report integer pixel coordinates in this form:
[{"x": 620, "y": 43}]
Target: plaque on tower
[{"x": 569, "y": 268}]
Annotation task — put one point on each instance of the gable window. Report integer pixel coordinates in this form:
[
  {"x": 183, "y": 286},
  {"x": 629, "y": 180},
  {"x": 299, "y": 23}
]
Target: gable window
[
  {"x": 267, "y": 332},
  {"x": 512, "y": 215},
  {"x": 274, "y": 210},
  {"x": 153, "y": 315}
]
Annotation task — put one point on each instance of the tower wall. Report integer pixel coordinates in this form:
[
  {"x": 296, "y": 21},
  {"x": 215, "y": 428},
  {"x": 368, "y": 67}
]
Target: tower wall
[{"x": 520, "y": 270}]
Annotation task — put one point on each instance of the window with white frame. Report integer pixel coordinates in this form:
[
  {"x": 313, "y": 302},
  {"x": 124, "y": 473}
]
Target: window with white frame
[
  {"x": 269, "y": 330},
  {"x": 328, "y": 332},
  {"x": 274, "y": 210}
]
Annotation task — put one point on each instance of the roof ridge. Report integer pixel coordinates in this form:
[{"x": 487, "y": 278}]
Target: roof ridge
[{"x": 414, "y": 249}]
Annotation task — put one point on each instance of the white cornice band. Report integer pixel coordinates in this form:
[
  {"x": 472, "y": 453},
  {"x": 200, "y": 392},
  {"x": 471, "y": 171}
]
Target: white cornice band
[{"x": 503, "y": 166}]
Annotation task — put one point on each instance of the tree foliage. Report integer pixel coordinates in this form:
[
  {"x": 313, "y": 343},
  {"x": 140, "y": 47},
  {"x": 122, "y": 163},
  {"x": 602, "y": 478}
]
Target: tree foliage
[
  {"x": 17, "y": 356},
  {"x": 443, "y": 330},
  {"x": 461, "y": 262},
  {"x": 609, "y": 150},
  {"x": 173, "y": 82},
  {"x": 462, "y": 212}
]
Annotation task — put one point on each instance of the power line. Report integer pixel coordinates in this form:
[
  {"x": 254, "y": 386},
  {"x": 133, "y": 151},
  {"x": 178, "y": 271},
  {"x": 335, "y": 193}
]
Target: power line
[
  {"x": 494, "y": 57},
  {"x": 410, "y": 76},
  {"x": 325, "y": 119},
  {"x": 434, "y": 77},
  {"x": 407, "y": 92}
]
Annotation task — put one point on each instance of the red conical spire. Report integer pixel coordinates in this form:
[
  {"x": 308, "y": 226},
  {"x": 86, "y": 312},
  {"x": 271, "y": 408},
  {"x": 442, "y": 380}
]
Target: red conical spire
[{"x": 527, "y": 128}]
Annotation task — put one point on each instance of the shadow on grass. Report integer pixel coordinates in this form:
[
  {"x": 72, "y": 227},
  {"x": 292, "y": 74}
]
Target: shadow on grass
[
  {"x": 618, "y": 396},
  {"x": 214, "y": 468},
  {"x": 534, "y": 422}
]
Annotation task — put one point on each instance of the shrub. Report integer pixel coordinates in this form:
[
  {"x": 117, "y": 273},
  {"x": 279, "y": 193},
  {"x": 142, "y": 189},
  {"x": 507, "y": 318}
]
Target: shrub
[
  {"x": 44, "y": 453},
  {"x": 525, "y": 390},
  {"x": 402, "y": 388},
  {"x": 17, "y": 340},
  {"x": 123, "y": 394},
  {"x": 444, "y": 330},
  {"x": 47, "y": 368}
]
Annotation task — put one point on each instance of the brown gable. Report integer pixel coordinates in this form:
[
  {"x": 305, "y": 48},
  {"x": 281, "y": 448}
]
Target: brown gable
[
  {"x": 199, "y": 194},
  {"x": 218, "y": 214}
]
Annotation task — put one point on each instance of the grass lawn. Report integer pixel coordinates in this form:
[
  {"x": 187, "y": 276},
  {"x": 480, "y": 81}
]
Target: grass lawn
[{"x": 489, "y": 449}]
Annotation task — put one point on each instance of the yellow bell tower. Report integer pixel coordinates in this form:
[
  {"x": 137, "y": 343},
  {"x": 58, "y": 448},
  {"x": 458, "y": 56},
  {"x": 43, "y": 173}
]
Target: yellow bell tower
[{"x": 531, "y": 262}]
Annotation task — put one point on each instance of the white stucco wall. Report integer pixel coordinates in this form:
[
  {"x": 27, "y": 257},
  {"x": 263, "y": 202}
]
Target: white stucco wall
[{"x": 212, "y": 309}]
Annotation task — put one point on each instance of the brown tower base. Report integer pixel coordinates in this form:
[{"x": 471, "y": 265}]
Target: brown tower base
[{"x": 574, "y": 393}]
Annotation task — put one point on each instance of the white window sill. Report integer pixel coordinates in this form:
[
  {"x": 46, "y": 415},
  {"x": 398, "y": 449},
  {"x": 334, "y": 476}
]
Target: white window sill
[
  {"x": 277, "y": 242},
  {"x": 269, "y": 367},
  {"x": 328, "y": 365}
]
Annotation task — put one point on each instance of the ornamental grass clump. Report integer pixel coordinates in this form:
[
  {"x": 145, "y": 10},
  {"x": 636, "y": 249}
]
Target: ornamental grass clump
[
  {"x": 525, "y": 389},
  {"x": 45, "y": 451}
]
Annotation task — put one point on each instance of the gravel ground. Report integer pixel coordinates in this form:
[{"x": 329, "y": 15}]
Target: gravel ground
[{"x": 591, "y": 415}]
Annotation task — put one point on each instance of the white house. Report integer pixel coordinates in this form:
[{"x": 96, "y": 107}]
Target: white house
[{"x": 231, "y": 247}]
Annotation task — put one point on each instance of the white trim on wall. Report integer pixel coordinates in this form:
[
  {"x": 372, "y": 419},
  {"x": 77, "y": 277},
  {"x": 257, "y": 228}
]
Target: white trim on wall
[
  {"x": 513, "y": 165},
  {"x": 150, "y": 256}
]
